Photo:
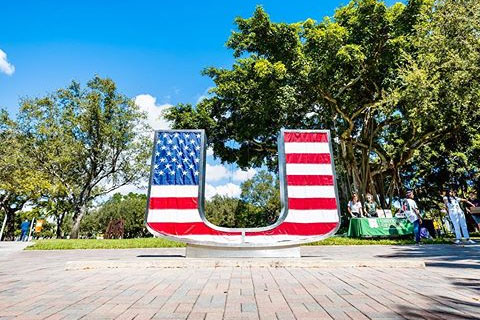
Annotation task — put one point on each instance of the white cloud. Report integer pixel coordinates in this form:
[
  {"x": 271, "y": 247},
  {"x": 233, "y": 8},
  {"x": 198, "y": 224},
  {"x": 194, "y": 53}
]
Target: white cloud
[
  {"x": 229, "y": 190},
  {"x": 209, "y": 152},
  {"x": 154, "y": 111},
  {"x": 216, "y": 172},
  {"x": 204, "y": 95},
  {"x": 241, "y": 175},
  {"x": 219, "y": 172},
  {"x": 126, "y": 189},
  {"x": 5, "y": 66}
]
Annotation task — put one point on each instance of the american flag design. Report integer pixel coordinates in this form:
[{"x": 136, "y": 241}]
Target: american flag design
[{"x": 310, "y": 211}]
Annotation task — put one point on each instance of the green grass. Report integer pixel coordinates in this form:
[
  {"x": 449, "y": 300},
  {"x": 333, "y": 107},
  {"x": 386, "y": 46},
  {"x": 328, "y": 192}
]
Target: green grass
[
  {"x": 343, "y": 241},
  {"x": 64, "y": 244},
  {"x": 67, "y": 244}
]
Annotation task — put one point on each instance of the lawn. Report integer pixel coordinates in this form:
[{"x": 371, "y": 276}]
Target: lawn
[{"x": 64, "y": 244}]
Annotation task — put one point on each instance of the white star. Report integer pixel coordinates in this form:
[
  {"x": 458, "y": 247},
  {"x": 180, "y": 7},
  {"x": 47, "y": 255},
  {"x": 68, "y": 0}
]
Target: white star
[
  {"x": 175, "y": 147},
  {"x": 184, "y": 173},
  {"x": 196, "y": 160},
  {"x": 196, "y": 173},
  {"x": 169, "y": 153},
  {"x": 198, "y": 135},
  {"x": 179, "y": 166},
  {"x": 163, "y": 148},
  {"x": 170, "y": 141},
  {"x": 191, "y": 166},
  {"x": 164, "y": 135},
  {"x": 192, "y": 141},
  {"x": 185, "y": 160},
  {"x": 180, "y": 141},
  {"x": 172, "y": 173},
  {"x": 157, "y": 153},
  {"x": 176, "y": 135},
  {"x": 168, "y": 165},
  {"x": 156, "y": 166},
  {"x": 174, "y": 160},
  {"x": 163, "y": 159},
  {"x": 160, "y": 172},
  {"x": 192, "y": 154},
  {"x": 179, "y": 153},
  {"x": 197, "y": 148},
  {"x": 187, "y": 148}
]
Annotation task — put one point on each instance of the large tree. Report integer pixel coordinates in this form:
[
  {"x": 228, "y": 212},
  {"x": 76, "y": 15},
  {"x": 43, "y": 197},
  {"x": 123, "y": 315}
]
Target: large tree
[
  {"x": 90, "y": 141},
  {"x": 130, "y": 208},
  {"x": 442, "y": 78},
  {"x": 355, "y": 73},
  {"x": 20, "y": 182}
]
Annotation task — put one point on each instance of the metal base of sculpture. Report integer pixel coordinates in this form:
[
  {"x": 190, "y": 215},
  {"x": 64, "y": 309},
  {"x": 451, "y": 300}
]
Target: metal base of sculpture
[{"x": 199, "y": 251}]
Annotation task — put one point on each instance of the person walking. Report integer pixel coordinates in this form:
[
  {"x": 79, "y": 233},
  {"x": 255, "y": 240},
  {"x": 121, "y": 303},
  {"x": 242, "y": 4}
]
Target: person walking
[
  {"x": 413, "y": 214},
  {"x": 452, "y": 204},
  {"x": 355, "y": 207},
  {"x": 25, "y": 226}
]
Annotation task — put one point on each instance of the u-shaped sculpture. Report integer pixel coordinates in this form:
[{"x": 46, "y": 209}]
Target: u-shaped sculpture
[{"x": 308, "y": 192}]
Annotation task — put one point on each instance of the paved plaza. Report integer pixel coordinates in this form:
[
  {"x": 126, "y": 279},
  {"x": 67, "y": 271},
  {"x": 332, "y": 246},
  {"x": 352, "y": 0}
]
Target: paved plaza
[{"x": 35, "y": 285}]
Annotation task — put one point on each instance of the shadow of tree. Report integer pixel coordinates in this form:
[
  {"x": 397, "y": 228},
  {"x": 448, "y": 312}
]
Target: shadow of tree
[
  {"x": 468, "y": 283},
  {"x": 160, "y": 256},
  {"x": 444, "y": 308},
  {"x": 447, "y": 256}
]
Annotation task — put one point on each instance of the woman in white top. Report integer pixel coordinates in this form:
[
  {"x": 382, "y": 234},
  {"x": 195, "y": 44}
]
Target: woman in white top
[
  {"x": 355, "y": 207},
  {"x": 452, "y": 204}
]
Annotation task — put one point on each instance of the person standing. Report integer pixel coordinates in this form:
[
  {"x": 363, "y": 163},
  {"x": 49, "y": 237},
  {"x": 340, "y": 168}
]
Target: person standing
[
  {"x": 413, "y": 214},
  {"x": 476, "y": 204},
  {"x": 25, "y": 226},
  {"x": 370, "y": 206},
  {"x": 355, "y": 207},
  {"x": 452, "y": 204}
]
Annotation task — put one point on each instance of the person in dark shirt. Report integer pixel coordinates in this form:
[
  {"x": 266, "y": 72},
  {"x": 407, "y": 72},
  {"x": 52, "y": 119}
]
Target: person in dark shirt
[
  {"x": 370, "y": 206},
  {"x": 476, "y": 204}
]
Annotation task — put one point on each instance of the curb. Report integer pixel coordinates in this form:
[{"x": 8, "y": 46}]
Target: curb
[{"x": 258, "y": 263}]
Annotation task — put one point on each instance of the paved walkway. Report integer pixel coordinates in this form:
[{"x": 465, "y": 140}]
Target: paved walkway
[
  {"x": 7, "y": 247},
  {"x": 35, "y": 285}
]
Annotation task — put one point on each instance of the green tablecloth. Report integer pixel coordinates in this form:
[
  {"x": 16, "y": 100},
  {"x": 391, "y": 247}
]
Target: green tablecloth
[{"x": 379, "y": 227}]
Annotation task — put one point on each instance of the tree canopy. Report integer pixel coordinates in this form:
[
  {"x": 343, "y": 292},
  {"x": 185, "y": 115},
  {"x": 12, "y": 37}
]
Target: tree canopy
[
  {"x": 389, "y": 82},
  {"x": 86, "y": 142}
]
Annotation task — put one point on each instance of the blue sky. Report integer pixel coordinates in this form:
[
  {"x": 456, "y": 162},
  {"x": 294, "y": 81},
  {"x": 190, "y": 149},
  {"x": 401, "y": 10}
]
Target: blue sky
[{"x": 152, "y": 49}]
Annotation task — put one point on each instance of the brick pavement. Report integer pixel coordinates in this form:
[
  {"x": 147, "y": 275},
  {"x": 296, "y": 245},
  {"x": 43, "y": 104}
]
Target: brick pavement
[{"x": 34, "y": 285}]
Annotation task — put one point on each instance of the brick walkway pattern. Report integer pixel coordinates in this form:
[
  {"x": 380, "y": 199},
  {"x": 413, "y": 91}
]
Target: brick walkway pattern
[{"x": 34, "y": 285}]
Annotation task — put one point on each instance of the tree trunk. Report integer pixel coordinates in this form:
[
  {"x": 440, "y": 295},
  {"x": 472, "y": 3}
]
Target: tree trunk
[
  {"x": 77, "y": 220},
  {"x": 58, "y": 232},
  {"x": 9, "y": 233}
]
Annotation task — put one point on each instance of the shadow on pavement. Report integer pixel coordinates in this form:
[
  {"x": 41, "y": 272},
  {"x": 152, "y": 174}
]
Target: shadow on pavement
[
  {"x": 448, "y": 256},
  {"x": 468, "y": 283},
  {"x": 160, "y": 256},
  {"x": 452, "y": 265},
  {"x": 442, "y": 308}
]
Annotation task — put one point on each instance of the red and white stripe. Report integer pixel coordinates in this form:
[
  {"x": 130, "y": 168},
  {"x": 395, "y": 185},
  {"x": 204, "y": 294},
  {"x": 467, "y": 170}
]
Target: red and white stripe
[
  {"x": 312, "y": 203},
  {"x": 310, "y": 179}
]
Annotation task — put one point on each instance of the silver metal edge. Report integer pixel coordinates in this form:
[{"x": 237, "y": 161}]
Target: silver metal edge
[
  {"x": 151, "y": 179},
  {"x": 152, "y": 165},
  {"x": 279, "y": 220},
  {"x": 283, "y": 193},
  {"x": 337, "y": 198}
]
